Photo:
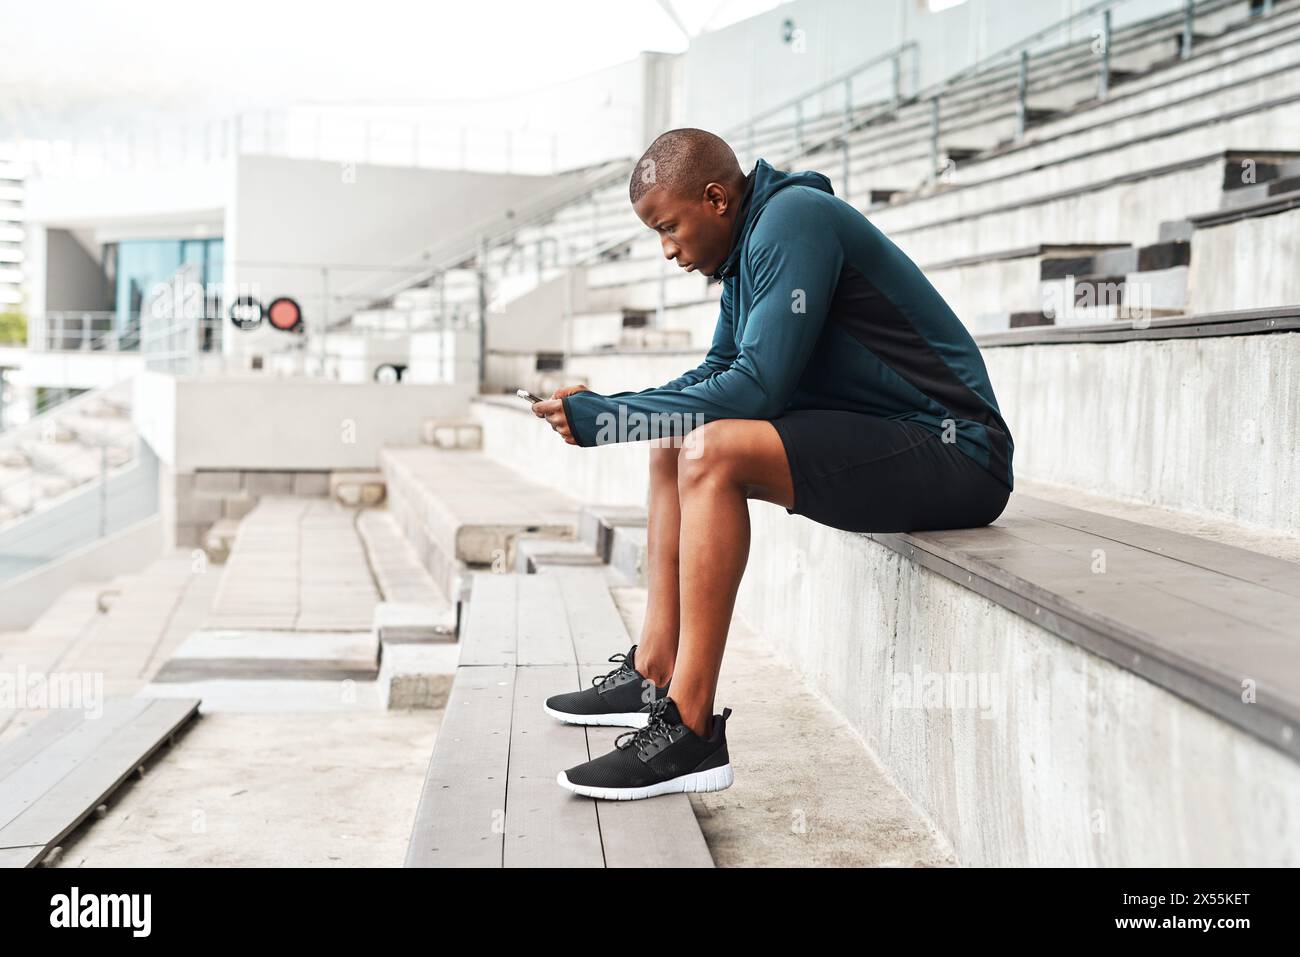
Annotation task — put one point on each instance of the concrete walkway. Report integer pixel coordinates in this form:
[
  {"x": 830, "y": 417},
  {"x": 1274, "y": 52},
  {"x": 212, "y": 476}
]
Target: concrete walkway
[{"x": 316, "y": 773}]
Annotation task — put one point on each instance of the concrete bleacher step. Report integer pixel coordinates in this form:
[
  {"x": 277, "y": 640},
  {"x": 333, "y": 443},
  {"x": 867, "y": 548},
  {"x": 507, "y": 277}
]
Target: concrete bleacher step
[
  {"x": 537, "y": 554},
  {"x": 490, "y": 797},
  {"x": 597, "y": 524},
  {"x": 627, "y": 552},
  {"x": 461, "y": 510},
  {"x": 414, "y": 608},
  {"x": 1178, "y": 440},
  {"x": 296, "y": 564},
  {"x": 282, "y": 655},
  {"x": 216, "y": 654},
  {"x": 65, "y": 767}
]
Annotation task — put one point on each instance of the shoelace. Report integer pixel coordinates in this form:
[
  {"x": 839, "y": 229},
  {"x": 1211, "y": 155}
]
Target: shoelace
[
  {"x": 622, "y": 659},
  {"x": 656, "y": 727}
]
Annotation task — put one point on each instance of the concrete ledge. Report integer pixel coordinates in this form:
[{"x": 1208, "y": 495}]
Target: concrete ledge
[
  {"x": 459, "y": 508},
  {"x": 417, "y": 676},
  {"x": 1055, "y": 756},
  {"x": 412, "y": 623}
]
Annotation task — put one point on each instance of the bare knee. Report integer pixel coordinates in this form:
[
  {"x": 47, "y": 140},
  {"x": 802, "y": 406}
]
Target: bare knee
[{"x": 709, "y": 456}]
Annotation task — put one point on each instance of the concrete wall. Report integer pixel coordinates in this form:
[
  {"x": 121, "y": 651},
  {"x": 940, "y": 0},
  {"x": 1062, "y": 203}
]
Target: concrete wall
[
  {"x": 78, "y": 278},
  {"x": 1059, "y": 758},
  {"x": 1249, "y": 264},
  {"x": 613, "y": 474},
  {"x": 266, "y": 423},
  {"x": 330, "y": 235},
  {"x": 535, "y": 321},
  {"x": 27, "y": 597},
  {"x": 191, "y": 502},
  {"x": 1204, "y": 426},
  {"x": 75, "y": 520}
]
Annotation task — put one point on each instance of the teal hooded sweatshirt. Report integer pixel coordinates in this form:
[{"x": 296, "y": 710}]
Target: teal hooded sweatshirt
[{"x": 819, "y": 310}]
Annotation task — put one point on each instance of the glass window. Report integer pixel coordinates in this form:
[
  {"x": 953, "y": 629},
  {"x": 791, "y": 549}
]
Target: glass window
[{"x": 140, "y": 265}]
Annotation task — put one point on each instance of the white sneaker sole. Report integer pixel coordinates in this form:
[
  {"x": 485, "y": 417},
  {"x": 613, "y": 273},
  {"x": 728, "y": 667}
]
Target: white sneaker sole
[
  {"x": 633, "y": 719},
  {"x": 714, "y": 779}
]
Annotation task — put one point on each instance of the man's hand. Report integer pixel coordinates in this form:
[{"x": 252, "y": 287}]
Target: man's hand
[{"x": 552, "y": 410}]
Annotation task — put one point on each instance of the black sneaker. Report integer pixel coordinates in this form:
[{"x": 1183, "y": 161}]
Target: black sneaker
[
  {"x": 617, "y": 698},
  {"x": 664, "y": 757}
]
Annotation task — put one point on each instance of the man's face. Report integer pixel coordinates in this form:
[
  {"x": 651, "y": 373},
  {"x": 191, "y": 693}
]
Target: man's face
[{"x": 694, "y": 231}]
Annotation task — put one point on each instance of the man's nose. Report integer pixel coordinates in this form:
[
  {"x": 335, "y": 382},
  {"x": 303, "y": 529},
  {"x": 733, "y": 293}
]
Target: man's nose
[{"x": 670, "y": 249}]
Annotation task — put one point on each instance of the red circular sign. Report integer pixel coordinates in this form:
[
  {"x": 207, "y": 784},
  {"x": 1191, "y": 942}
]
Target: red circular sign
[{"x": 284, "y": 314}]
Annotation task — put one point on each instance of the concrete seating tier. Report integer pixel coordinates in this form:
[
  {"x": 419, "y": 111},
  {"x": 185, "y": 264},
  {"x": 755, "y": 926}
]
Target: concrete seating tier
[
  {"x": 1192, "y": 413},
  {"x": 462, "y": 510},
  {"x": 1124, "y": 649}
]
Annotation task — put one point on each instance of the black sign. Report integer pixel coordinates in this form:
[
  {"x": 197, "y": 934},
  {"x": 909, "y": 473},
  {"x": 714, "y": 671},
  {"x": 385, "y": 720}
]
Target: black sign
[{"x": 246, "y": 313}]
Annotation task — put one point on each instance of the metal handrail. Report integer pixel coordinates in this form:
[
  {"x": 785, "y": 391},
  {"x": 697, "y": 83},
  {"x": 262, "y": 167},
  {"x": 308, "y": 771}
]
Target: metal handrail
[
  {"x": 508, "y": 225},
  {"x": 934, "y": 93}
]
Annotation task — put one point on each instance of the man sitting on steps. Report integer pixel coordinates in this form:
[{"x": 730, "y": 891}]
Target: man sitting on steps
[{"x": 839, "y": 386}]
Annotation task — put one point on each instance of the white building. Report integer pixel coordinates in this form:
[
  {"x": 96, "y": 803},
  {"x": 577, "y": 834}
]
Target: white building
[{"x": 11, "y": 232}]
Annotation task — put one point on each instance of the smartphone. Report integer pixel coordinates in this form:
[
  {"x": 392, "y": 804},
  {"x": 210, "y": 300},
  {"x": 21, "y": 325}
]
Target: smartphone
[{"x": 525, "y": 394}]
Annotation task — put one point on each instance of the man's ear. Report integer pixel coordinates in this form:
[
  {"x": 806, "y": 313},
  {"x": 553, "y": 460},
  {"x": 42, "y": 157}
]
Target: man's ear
[{"x": 715, "y": 194}]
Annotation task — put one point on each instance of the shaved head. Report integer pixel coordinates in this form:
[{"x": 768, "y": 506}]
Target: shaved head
[{"x": 683, "y": 162}]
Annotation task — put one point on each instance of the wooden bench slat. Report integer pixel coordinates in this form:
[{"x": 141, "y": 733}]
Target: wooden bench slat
[
  {"x": 1228, "y": 560},
  {"x": 498, "y": 751},
  {"x": 461, "y": 815},
  {"x": 99, "y": 771},
  {"x": 489, "y": 636},
  {"x": 28, "y": 856},
  {"x": 43, "y": 772},
  {"x": 543, "y": 626},
  {"x": 594, "y": 622},
  {"x": 547, "y": 826},
  {"x": 36, "y": 738},
  {"x": 657, "y": 832},
  {"x": 1170, "y": 601}
]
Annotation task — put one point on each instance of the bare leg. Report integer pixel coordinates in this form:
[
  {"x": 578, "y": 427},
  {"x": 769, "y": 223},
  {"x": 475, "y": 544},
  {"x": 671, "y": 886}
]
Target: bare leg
[
  {"x": 657, "y": 649},
  {"x": 724, "y": 463}
]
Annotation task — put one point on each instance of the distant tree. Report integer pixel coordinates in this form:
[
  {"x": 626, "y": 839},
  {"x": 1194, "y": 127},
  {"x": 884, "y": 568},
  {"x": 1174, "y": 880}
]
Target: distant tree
[{"x": 13, "y": 329}]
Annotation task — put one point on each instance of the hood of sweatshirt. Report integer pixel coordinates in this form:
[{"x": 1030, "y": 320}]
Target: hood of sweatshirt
[{"x": 763, "y": 183}]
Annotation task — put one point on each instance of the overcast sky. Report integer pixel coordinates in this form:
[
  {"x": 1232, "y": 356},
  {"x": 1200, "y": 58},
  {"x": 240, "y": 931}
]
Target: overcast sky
[{"x": 61, "y": 60}]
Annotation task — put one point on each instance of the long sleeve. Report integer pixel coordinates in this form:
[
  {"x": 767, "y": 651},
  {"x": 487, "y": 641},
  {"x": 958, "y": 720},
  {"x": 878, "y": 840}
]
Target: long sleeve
[{"x": 795, "y": 263}]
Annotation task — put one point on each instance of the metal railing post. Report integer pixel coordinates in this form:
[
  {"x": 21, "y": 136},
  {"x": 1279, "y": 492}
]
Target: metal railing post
[
  {"x": 848, "y": 103},
  {"x": 844, "y": 175},
  {"x": 1189, "y": 23},
  {"x": 1022, "y": 93},
  {"x": 934, "y": 138},
  {"x": 481, "y": 262},
  {"x": 896, "y": 78},
  {"x": 103, "y": 488},
  {"x": 1103, "y": 81}
]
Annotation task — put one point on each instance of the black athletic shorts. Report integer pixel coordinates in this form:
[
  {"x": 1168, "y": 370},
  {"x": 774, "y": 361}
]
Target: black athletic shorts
[{"x": 862, "y": 473}]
